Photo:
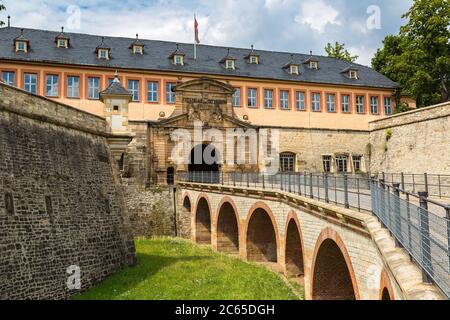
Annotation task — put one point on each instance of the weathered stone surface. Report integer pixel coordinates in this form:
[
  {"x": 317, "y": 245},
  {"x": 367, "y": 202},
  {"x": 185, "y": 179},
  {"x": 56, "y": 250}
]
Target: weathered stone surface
[{"x": 60, "y": 203}]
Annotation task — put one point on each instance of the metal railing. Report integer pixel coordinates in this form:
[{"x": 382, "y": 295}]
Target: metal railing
[
  {"x": 406, "y": 214},
  {"x": 436, "y": 185}
]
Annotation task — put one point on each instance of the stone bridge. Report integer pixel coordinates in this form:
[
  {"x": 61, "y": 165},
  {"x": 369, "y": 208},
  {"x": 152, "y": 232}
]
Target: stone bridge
[{"x": 336, "y": 253}]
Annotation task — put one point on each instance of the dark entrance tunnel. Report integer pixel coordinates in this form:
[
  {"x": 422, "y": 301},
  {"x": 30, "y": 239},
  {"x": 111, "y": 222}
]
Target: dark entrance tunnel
[
  {"x": 261, "y": 238},
  {"x": 331, "y": 278},
  {"x": 227, "y": 230},
  {"x": 204, "y": 158},
  {"x": 293, "y": 253},
  {"x": 203, "y": 223}
]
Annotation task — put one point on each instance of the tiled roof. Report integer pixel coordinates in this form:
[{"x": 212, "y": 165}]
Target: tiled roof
[{"x": 156, "y": 58}]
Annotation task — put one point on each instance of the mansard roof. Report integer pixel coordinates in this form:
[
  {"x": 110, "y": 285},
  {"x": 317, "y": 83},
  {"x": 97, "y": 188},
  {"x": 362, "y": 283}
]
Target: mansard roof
[{"x": 207, "y": 62}]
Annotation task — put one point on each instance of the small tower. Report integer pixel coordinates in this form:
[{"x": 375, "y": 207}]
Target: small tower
[{"x": 116, "y": 99}]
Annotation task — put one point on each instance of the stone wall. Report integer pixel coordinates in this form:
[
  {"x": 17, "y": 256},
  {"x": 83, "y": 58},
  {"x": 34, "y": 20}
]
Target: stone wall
[
  {"x": 151, "y": 209},
  {"x": 413, "y": 142},
  {"x": 60, "y": 202},
  {"x": 310, "y": 145}
]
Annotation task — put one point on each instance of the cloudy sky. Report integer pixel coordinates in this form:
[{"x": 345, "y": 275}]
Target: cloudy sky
[{"x": 281, "y": 25}]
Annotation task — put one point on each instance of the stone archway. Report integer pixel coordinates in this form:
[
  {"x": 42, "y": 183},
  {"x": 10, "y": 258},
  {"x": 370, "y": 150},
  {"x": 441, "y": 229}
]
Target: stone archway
[
  {"x": 294, "y": 265},
  {"x": 386, "y": 290},
  {"x": 203, "y": 222},
  {"x": 262, "y": 240},
  {"x": 227, "y": 228},
  {"x": 204, "y": 163},
  {"x": 332, "y": 272}
]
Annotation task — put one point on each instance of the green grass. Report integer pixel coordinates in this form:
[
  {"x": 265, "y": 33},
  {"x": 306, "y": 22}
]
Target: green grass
[{"x": 172, "y": 269}]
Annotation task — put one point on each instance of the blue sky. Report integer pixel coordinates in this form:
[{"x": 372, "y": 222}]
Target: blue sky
[{"x": 281, "y": 25}]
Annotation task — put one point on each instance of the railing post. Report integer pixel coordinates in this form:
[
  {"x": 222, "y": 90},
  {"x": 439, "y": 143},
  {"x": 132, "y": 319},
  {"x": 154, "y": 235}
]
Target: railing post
[
  {"x": 447, "y": 211},
  {"x": 234, "y": 178},
  {"x": 311, "y": 185},
  {"x": 281, "y": 180},
  {"x": 223, "y": 182},
  {"x": 346, "y": 203},
  {"x": 299, "y": 182},
  {"x": 263, "y": 182},
  {"x": 289, "y": 182},
  {"x": 397, "y": 215},
  {"x": 325, "y": 186},
  {"x": 201, "y": 177},
  {"x": 248, "y": 181},
  {"x": 304, "y": 180},
  {"x": 425, "y": 181},
  {"x": 425, "y": 238}
]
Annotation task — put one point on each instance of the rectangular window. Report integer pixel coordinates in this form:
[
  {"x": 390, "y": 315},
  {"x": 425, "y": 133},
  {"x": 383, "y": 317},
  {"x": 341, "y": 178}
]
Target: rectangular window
[
  {"x": 252, "y": 97},
  {"x": 326, "y": 163},
  {"x": 51, "y": 85},
  {"x": 387, "y": 106},
  {"x": 345, "y": 103},
  {"x": 73, "y": 87},
  {"x": 341, "y": 164},
  {"x": 170, "y": 95},
  {"x": 287, "y": 162},
  {"x": 374, "y": 105},
  {"x": 93, "y": 88},
  {"x": 8, "y": 77},
  {"x": 315, "y": 102},
  {"x": 300, "y": 100},
  {"x": 21, "y": 46},
  {"x": 268, "y": 99},
  {"x": 357, "y": 163},
  {"x": 103, "y": 54},
  {"x": 30, "y": 82},
  {"x": 237, "y": 97},
  {"x": 331, "y": 102},
  {"x": 152, "y": 91},
  {"x": 284, "y": 99},
  {"x": 360, "y": 104},
  {"x": 133, "y": 88}
]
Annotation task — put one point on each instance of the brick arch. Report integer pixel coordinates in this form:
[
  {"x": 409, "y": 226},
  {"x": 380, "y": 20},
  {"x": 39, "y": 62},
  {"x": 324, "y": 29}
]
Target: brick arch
[
  {"x": 203, "y": 223},
  {"x": 187, "y": 195},
  {"x": 386, "y": 290},
  {"x": 330, "y": 237},
  {"x": 256, "y": 207},
  {"x": 294, "y": 265},
  {"x": 227, "y": 227}
]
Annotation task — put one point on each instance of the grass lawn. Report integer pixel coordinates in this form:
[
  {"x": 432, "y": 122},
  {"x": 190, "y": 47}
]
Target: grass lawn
[{"x": 174, "y": 269}]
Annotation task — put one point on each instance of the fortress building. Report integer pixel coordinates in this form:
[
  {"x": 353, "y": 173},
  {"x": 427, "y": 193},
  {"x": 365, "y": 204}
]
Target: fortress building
[{"x": 321, "y": 106}]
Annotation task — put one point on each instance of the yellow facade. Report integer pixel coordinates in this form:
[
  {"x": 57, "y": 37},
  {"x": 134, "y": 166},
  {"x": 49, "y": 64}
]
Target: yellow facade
[{"x": 276, "y": 117}]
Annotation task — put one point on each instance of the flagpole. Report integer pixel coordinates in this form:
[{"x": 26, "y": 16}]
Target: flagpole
[{"x": 195, "y": 41}]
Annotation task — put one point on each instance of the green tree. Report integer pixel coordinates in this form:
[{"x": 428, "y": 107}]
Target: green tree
[
  {"x": 2, "y": 7},
  {"x": 418, "y": 58},
  {"x": 339, "y": 51}
]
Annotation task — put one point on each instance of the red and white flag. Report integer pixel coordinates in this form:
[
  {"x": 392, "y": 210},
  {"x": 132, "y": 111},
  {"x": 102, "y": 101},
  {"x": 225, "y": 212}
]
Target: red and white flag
[{"x": 197, "y": 39}]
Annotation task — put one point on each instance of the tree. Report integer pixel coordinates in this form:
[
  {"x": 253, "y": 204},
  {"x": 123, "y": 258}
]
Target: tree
[
  {"x": 418, "y": 58},
  {"x": 2, "y": 7},
  {"x": 339, "y": 51}
]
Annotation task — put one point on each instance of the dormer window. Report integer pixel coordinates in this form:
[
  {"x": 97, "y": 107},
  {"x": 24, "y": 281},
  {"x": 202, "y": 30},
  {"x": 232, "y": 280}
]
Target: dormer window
[
  {"x": 177, "y": 56},
  {"x": 137, "y": 46},
  {"x": 178, "y": 60},
  {"x": 314, "y": 65},
  {"x": 103, "y": 54},
  {"x": 252, "y": 57},
  {"x": 254, "y": 60},
  {"x": 21, "y": 46},
  {"x": 353, "y": 74},
  {"x": 230, "y": 64},
  {"x": 62, "y": 43},
  {"x": 138, "y": 49},
  {"x": 61, "y": 40},
  {"x": 293, "y": 69}
]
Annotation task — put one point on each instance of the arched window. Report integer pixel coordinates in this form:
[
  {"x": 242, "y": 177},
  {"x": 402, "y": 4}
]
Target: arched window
[{"x": 287, "y": 162}]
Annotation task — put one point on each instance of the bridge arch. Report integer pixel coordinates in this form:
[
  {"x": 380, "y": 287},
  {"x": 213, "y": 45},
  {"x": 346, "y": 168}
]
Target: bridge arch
[
  {"x": 386, "y": 291},
  {"x": 262, "y": 239},
  {"x": 203, "y": 220},
  {"x": 187, "y": 202},
  {"x": 332, "y": 276},
  {"x": 227, "y": 226},
  {"x": 293, "y": 247}
]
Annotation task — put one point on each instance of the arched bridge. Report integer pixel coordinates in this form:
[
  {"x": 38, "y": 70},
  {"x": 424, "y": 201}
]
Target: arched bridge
[{"x": 337, "y": 253}]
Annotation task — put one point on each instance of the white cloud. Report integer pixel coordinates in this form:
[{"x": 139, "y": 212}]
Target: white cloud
[{"x": 317, "y": 15}]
